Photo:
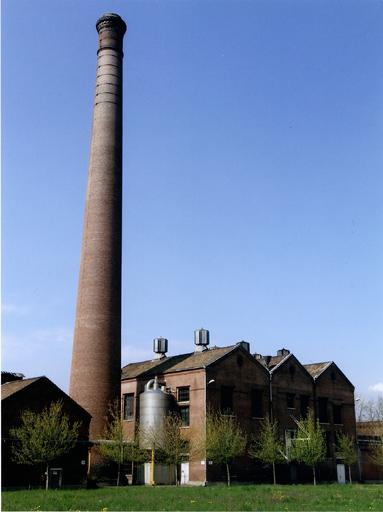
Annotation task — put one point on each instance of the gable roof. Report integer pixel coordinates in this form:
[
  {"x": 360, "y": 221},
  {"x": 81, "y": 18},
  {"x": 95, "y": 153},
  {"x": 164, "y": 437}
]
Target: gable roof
[
  {"x": 9, "y": 389},
  {"x": 277, "y": 360},
  {"x": 183, "y": 362},
  {"x": 12, "y": 387},
  {"x": 316, "y": 369}
]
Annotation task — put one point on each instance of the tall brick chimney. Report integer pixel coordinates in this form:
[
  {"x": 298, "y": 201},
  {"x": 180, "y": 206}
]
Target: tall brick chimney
[{"x": 96, "y": 358}]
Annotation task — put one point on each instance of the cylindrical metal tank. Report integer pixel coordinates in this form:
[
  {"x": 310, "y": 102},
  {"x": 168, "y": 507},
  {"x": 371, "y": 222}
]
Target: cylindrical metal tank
[
  {"x": 201, "y": 337},
  {"x": 155, "y": 404},
  {"x": 160, "y": 345}
]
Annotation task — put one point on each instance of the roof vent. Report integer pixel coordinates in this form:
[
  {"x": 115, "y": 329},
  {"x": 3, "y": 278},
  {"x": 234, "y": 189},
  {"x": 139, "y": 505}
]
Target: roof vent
[
  {"x": 201, "y": 339},
  {"x": 245, "y": 345},
  {"x": 160, "y": 347},
  {"x": 258, "y": 356},
  {"x": 283, "y": 352}
]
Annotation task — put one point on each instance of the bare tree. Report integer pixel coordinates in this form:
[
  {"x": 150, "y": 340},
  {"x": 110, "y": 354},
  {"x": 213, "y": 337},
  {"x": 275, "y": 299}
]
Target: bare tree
[
  {"x": 369, "y": 410},
  {"x": 370, "y": 413}
]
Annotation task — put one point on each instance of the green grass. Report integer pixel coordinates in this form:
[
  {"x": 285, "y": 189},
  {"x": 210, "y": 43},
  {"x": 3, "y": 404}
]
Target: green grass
[{"x": 250, "y": 497}]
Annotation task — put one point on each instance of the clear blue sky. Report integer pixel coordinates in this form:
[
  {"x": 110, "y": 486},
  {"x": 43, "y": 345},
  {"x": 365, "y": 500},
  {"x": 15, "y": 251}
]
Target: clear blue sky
[{"x": 253, "y": 185}]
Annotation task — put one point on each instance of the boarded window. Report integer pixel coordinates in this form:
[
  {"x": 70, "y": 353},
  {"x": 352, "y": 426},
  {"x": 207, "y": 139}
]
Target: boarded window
[
  {"x": 322, "y": 410},
  {"x": 183, "y": 394},
  {"x": 290, "y": 400},
  {"x": 227, "y": 399},
  {"x": 337, "y": 414},
  {"x": 185, "y": 416},
  {"x": 257, "y": 403},
  {"x": 129, "y": 406},
  {"x": 305, "y": 400}
]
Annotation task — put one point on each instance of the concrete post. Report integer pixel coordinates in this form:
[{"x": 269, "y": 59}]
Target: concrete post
[{"x": 96, "y": 358}]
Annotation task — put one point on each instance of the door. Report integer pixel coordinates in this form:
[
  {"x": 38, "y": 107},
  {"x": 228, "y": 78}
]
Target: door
[
  {"x": 184, "y": 473},
  {"x": 341, "y": 473}
]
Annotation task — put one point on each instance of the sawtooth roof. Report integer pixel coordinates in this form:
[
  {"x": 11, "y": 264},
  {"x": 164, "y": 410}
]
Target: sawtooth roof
[
  {"x": 315, "y": 369},
  {"x": 183, "y": 362},
  {"x": 10, "y": 388},
  {"x": 275, "y": 360}
]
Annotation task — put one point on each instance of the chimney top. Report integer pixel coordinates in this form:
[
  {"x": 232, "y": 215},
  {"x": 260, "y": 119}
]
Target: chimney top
[
  {"x": 111, "y": 20},
  {"x": 244, "y": 344}
]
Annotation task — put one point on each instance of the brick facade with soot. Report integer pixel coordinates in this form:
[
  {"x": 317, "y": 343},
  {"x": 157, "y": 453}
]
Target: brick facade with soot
[{"x": 250, "y": 387}]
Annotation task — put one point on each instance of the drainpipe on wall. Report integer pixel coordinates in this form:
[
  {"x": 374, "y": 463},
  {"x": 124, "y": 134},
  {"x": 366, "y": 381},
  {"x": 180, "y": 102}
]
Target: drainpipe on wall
[
  {"x": 271, "y": 415},
  {"x": 206, "y": 385},
  {"x": 205, "y": 482}
]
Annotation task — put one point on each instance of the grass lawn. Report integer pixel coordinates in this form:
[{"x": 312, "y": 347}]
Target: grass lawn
[{"x": 249, "y": 497}]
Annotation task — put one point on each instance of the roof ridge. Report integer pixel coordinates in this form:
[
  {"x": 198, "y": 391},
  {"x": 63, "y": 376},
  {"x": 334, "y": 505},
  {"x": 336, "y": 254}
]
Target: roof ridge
[
  {"x": 178, "y": 355},
  {"x": 321, "y": 362},
  {"x": 23, "y": 380},
  {"x": 179, "y": 362}
]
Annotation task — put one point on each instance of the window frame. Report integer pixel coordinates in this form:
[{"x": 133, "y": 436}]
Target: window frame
[
  {"x": 338, "y": 415},
  {"x": 256, "y": 403},
  {"x": 229, "y": 398},
  {"x": 181, "y": 389},
  {"x": 125, "y": 415},
  {"x": 323, "y": 407},
  {"x": 304, "y": 400},
  {"x": 185, "y": 408},
  {"x": 290, "y": 396}
]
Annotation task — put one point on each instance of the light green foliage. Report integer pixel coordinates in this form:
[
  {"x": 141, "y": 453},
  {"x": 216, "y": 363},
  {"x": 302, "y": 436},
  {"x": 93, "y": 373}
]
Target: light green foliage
[
  {"x": 173, "y": 447},
  {"x": 43, "y": 437},
  {"x": 309, "y": 444},
  {"x": 225, "y": 439},
  {"x": 346, "y": 451},
  {"x": 267, "y": 446},
  {"x": 114, "y": 446}
]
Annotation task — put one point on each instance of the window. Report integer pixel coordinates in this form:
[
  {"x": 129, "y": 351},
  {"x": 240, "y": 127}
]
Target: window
[
  {"x": 183, "y": 394},
  {"x": 322, "y": 410},
  {"x": 185, "y": 415},
  {"x": 305, "y": 400},
  {"x": 128, "y": 406},
  {"x": 227, "y": 399},
  {"x": 183, "y": 398},
  {"x": 328, "y": 438},
  {"x": 337, "y": 414},
  {"x": 257, "y": 403},
  {"x": 290, "y": 400}
]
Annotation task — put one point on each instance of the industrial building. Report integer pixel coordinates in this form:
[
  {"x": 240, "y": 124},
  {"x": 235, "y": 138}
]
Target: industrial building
[
  {"x": 247, "y": 386},
  {"x": 35, "y": 394}
]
